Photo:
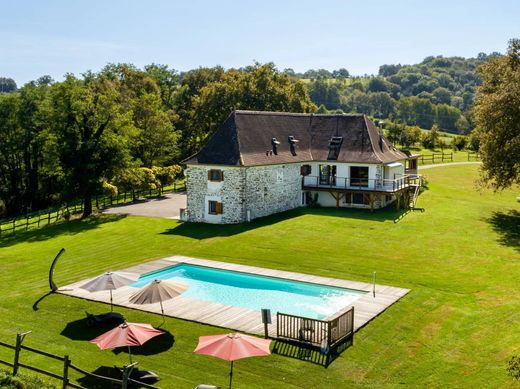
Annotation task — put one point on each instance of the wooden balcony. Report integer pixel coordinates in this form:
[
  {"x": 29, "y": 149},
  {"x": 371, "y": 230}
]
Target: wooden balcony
[{"x": 361, "y": 184}]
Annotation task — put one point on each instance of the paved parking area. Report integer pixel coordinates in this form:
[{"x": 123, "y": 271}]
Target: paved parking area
[{"x": 167, "y": 206}]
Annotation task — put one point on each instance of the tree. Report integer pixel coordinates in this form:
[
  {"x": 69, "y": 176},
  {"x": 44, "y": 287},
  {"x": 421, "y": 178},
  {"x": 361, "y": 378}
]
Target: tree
[
  {"x": 340, "y": 73},
  {"x": 377, "y": 84},
  {"x": 11, "y": 154},
  {"x": 460, "y": 142},
  {"x": 447, "y": 117},
  {"x": 430, "y": 139},
  {"x": 441, "y": 95},
  {"x": 92, "y": 130},
  {"x": 7, "y": 85},
  {"x": 382, "y": 104},
  {"x": 166, "y": 175},
  {"x": 168, "y": 81},
  {"x": 133, "y": 180},
  {"x": 323, "y": 93},
  {"x": 259, "y": 87},
  {"x": 497, "y": 114},
  {"x": 389, "y": 70}
]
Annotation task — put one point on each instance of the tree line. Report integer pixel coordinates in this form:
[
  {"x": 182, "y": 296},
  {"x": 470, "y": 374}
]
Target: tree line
[
  {"x": 121, "y": 128},
  {"x": 126, "y": 129},
  {"x": 438, "y": 91}
]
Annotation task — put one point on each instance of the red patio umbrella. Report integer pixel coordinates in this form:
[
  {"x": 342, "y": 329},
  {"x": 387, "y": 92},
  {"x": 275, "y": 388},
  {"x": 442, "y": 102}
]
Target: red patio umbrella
[
  {"x": 231, "y": 347},
  {"x": 126, "y": 334}
]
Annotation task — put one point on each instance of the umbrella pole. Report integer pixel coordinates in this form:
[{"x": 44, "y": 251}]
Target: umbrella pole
[
  {"x": 130, "y": 354},
  {"x": 231, "y": 375},
  {"x": 162, "y": 311},
  {"x": 111, "y": 306}
]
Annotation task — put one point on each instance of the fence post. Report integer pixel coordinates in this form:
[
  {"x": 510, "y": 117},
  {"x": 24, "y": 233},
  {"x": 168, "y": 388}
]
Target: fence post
[
  {"x": 14, "y": 225},
  {"x": 126, "y": 374},
  {"x": 48, "y": 216},
  {"x": 19, "y": 340},
  {"x": 66, "y": 363}
]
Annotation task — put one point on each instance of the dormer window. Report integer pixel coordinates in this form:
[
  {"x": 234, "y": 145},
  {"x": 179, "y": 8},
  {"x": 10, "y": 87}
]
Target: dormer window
[
  {"x": 274, "y": 144},
  {"x": 292, "y": 144},
  {"x": 215, "y": 175},
  {"x": 334, "y": 147}
]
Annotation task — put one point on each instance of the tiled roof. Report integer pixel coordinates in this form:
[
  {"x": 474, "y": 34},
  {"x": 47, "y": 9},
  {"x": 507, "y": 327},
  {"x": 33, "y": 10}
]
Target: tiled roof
[{"x": 246, "y": 139}]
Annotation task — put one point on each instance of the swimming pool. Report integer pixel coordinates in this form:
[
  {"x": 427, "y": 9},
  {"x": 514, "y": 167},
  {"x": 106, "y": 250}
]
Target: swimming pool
[{"x": 256, "y": 292}]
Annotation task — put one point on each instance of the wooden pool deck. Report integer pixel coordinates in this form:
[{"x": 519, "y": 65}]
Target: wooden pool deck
[{"x": 366, "y": 307}]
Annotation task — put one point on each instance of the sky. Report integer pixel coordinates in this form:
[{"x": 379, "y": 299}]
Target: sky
[{"x": 55, "y": 37}]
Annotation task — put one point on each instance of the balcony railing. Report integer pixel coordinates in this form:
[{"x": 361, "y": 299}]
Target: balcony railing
[{"x": 368, "y": 184}]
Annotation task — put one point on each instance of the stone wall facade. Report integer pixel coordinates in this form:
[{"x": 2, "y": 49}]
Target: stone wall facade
[
  {"x": 271, "y": 189},
  {"x": 246, "y": 193}
]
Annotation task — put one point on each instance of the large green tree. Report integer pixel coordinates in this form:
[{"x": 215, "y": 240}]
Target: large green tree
[
  {"x": 497, "y": 114},
  {"x": 93, "y": 131},
  {"x": 11, "y": 154},
  {"x": 7, "y": 85},
  {"x": 258, "y": 87}
]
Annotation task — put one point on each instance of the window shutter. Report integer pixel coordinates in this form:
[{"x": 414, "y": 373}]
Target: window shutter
[
  {"x": 209, "y": 175},
  {"x": 222, "y": 175},
  {"x": 218, "y": 208},
  {"x": 302, "y": 170}
]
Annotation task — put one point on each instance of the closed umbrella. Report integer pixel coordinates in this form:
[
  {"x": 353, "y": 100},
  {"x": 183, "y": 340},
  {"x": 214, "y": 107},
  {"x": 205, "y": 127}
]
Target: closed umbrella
[
  {"x": 110, "y": 281},
  {"x": 158, "y": 291},
  {"x": 127, "y": 334},
  {"x": 231, "y": 347}
]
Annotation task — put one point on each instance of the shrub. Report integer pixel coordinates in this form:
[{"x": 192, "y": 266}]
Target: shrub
[
  {"x": 460, "y": 142},
  {"x": 474, "y": 141},
  {"x": 513, "y": 367}
]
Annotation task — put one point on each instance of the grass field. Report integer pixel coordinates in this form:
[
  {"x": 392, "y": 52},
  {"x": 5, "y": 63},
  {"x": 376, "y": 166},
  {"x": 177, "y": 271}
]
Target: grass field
[{"x": 456, "y": 328}]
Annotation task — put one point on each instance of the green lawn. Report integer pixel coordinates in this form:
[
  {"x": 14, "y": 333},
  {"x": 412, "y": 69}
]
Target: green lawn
[{"x": 456, "y": 328}]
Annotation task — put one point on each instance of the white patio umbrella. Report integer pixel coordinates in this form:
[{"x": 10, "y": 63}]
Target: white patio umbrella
[
  {"x": 157, "y": 291},
  {"x": 110, "y": 281}
]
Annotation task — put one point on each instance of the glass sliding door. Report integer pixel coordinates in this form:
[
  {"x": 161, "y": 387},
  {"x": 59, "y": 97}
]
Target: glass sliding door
[
  {"x": 325, "y": 172},
  {"x": 359, "y": 176},
  {"x": 328, "y": 175}
]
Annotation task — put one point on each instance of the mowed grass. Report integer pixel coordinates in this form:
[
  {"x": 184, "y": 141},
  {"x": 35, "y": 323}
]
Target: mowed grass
[{"x": 456, "y": 328}]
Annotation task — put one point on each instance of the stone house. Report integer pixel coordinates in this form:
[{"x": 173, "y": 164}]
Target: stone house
[{"x": 260, "y": 163}]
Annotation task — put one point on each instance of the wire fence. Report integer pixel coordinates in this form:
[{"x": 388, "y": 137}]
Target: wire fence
[{"x": 64, "y": 212}]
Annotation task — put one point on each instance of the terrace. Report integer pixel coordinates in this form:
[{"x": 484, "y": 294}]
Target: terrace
[{"x": 361, "y": 184}]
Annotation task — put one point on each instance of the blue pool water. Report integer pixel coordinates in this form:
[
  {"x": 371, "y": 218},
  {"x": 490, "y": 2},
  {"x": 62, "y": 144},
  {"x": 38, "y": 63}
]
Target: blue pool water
[{"x": 256, "y": 292}]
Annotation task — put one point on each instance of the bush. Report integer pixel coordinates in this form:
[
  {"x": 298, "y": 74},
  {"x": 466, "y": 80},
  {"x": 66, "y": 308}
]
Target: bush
[
  {"x": 460, "y": 142},
  {"x": 474, "y": 141},
  {"x": 513, "y": 367}
]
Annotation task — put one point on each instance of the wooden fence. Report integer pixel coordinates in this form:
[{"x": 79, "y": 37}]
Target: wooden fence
[
  {"x": 473, "y": 156},
  {"x": 324, "y": 334},
  {"x": 67, "y": 364},
  {"x": 53, "y": 215},
  {"x": 436, "y": 157}
]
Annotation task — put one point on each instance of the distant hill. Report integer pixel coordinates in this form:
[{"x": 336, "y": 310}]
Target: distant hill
[{"x": 439, "y": 90}]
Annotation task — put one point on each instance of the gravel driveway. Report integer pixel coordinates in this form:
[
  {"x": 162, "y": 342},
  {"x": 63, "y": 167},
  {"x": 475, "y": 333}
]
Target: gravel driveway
[{"x": 167, "y": 206}]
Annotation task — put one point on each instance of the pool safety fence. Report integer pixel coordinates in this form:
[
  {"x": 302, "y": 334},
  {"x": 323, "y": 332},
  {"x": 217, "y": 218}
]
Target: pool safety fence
[
  {"x": 325, "y": 334},
  {"x": 67, "y": 367}
]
